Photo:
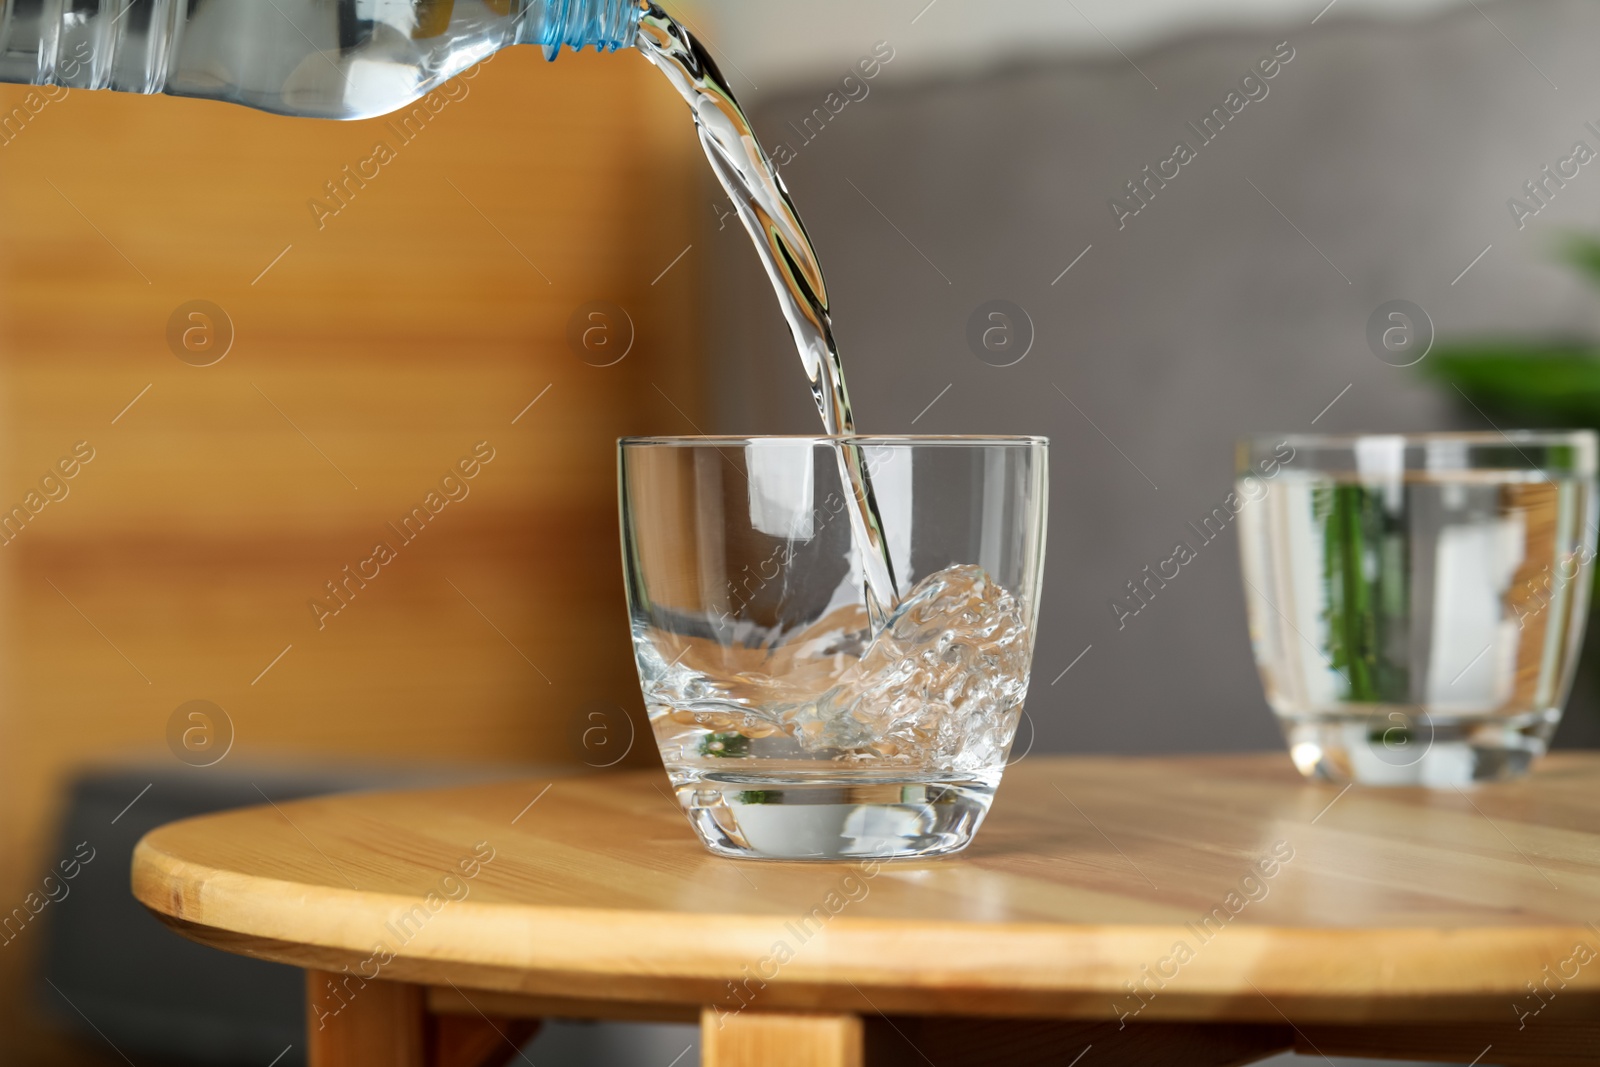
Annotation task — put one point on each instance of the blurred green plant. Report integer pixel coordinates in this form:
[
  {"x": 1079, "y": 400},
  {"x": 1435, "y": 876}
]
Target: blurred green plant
[
  {"x": 1532, "y": 384},
  {"x": 729, "y": 745},
  {"x": 1365, "y": 587}
]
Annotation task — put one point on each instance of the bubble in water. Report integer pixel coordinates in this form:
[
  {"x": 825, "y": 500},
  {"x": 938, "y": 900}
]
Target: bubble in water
[{"x": 940, "y": 687}]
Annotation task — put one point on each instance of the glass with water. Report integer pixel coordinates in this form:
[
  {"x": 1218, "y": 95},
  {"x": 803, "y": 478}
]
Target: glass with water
[
  {"x": 1417, "y": 602},
  {"x": 798, "y": 718}
]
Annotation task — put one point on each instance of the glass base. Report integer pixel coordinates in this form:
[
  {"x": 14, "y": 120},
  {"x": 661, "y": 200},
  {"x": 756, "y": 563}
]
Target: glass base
[
  {"x": 758, "y": 818},
  {"x": 1405, "y": 746}
]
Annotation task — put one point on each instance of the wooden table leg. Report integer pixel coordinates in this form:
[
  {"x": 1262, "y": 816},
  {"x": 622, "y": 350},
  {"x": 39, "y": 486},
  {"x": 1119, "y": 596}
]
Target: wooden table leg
[
  {"x": 779, "y": 1039},
  {"x": 353, "y": 1023}
]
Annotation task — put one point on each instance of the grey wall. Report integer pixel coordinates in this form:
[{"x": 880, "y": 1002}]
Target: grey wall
[
  {"x": 1388, "y": 153},
  {"x": 772, "y": 50}
]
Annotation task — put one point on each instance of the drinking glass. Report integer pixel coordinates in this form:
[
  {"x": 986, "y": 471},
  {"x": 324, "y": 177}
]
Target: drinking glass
[
  {"x": 1417, "y": 601},
  {"x": 798, "y": 717}
]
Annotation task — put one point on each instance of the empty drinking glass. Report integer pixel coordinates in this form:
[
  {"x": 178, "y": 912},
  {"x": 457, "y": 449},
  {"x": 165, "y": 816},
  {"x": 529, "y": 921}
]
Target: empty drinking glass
[
  {"x": 798, "y": 717},
  {"x": 1417, "y": 602}
]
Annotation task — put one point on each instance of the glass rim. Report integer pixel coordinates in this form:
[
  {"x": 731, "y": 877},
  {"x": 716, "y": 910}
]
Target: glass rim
[
  {"x": 720, "y": 440},
  {"x": 1466, "y": 437}
]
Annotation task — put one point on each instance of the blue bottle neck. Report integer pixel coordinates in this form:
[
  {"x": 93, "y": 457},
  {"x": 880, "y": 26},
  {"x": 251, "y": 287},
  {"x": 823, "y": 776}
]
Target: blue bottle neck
[{"x": 607, "y": 25}]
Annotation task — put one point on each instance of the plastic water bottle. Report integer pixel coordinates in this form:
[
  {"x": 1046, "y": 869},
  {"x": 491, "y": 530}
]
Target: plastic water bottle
[{"x": 338, "y": 59}]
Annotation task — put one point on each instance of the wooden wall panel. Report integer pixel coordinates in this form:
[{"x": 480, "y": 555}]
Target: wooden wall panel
[{"x": 370, "y": 353}]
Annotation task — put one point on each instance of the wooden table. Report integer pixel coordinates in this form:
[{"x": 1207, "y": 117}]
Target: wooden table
[{"x": 1197, "y": 911}]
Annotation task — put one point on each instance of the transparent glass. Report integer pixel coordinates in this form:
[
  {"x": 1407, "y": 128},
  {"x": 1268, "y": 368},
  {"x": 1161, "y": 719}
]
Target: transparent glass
[
  {"x": 340, "y": 59},
  {"x": 789, "y": 729},
  {"x": 1417, "y": 602}
]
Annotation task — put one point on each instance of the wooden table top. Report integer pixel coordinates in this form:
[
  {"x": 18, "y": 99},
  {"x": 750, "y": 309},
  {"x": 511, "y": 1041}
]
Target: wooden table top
[{"x": 1220, "y": 887}]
